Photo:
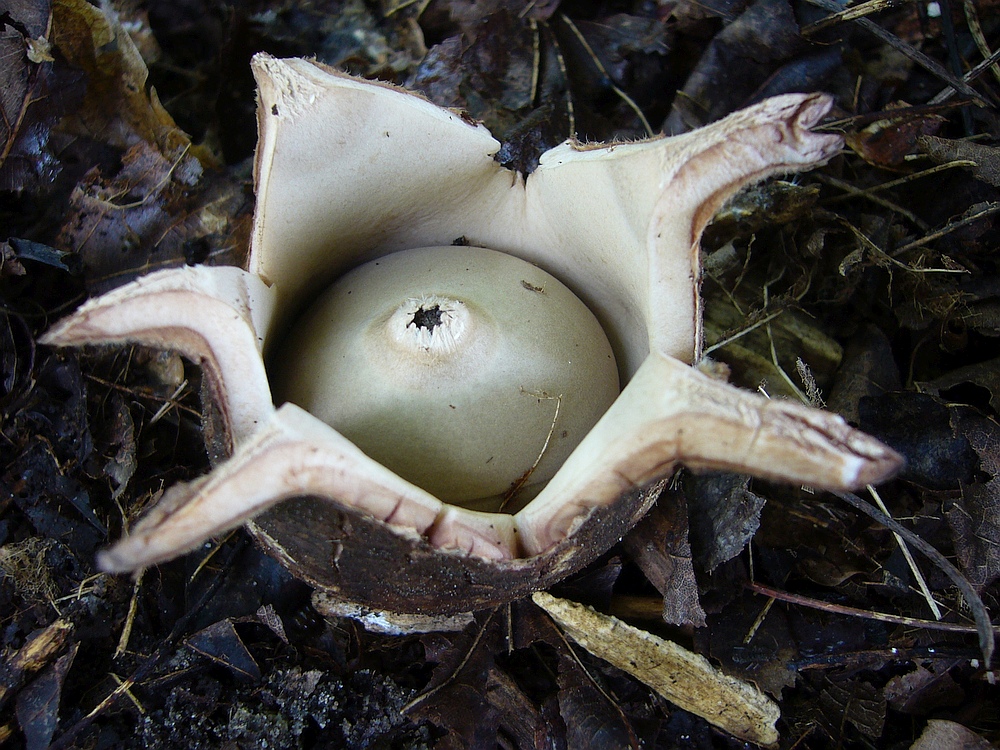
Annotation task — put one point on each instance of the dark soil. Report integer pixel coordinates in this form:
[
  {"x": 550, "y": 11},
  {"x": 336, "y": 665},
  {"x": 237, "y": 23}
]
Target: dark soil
[{"x": 871, "y": 286}]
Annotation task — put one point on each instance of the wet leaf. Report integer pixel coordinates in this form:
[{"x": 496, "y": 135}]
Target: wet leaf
[
  {"x": 659, "y": 546},
  {"x": 35, "y": 91},
  {"x": 38, "y": 704},
  {"x": 941, "y": 734},
  {"x": 222, "y": 644},
  {"x": 886, "y": 143},
  {"x": 36, "y": 251},
  {"x": 724, "y": 516}
]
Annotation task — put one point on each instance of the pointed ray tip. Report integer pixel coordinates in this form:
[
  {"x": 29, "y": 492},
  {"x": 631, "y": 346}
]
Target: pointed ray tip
[
  {"x": 115, "y": 560},
  {"x": 876, "y": 469},
  {"x": 814, "y": 109}
]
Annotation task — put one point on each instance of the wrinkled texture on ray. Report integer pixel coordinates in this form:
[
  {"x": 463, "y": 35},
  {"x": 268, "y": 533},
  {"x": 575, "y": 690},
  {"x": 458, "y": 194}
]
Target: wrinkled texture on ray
[
  {"x": 669, "y": 413},
  {"x": 216, "y": 317},
  {"x": 618, "y": 224},
  {"x": 293, "y": 455},
  {"x": 347, "y": 171}
]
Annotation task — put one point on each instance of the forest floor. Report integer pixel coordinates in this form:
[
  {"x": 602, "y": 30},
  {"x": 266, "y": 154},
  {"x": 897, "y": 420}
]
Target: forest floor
[{"x": 870, "y": 286}]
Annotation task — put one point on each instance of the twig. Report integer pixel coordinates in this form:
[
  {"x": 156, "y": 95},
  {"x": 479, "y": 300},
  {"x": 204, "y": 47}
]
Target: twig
[
  {"x": 867, "y": 193},
  {"x": 843, "y": 609},
  {"x": 925, "y": 62},
  {"x": 743, "y": 332},
  {"x": 133, "y": 606},
  {"x": 972, "y": 75},
  {"x": 890, "y": 260},
  {"x": 978, "y": 609},
  {"x": 992, "y": 208},
  {"x": 850, "y": 14}
]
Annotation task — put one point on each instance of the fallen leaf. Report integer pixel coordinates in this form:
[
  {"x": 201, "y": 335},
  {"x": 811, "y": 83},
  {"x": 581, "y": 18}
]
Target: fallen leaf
[
  {"x": 592, "y": 720},
  {"x": 847, "y": 701},
  {"x": 37, "y": 705},
  {"x": 941, "y": 734},
  {"x": 984, "y": 374},
  {"x": 974, "y": 517},
  {"x": 986, "y": 159},
  {"x": 867, "y": 369},
  {"x": 743, "y": 55},
  {"x": 918, "y": 427},
  {"x": 924, "y": 690},
  {"x": 659, "y": 546},
  {"x": 35, "y": 92},
  {"x": 724, "y": 515},
  {"x": 222, "y": 644},
  {"x": 886, "y": 143}
]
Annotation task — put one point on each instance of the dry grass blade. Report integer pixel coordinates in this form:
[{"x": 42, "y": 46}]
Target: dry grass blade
[
  {"x": 909, "y": 51},
  {"x": 849, "y": 14}
]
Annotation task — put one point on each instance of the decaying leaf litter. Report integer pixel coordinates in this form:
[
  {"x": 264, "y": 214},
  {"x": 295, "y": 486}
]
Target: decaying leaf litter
[{"x": 869, "y": 286}]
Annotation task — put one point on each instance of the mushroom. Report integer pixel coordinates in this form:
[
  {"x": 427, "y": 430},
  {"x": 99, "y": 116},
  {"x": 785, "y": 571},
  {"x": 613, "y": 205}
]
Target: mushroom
[
  {"x": 470, "y": 373},
  {"x": 351, "y": 175}
]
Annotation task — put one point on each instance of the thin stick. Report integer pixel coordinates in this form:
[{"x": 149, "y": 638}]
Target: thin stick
[
  {"x": 925, "y": 62},
  {"x": 868, "y": 194},
  {"x": 843, "y": 609},
  {"x": 990, "y": 209},
  {"x": 972, "y": 75},
  {"x": 979, "y": 613},
  {"x": 133, "y": 606},
  {"x": 607, "y": 77},
  {"x": 849, "y": 14}
]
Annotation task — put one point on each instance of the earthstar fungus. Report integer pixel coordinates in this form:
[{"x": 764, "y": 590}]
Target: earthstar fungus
[{"x": 350, "y": 171}]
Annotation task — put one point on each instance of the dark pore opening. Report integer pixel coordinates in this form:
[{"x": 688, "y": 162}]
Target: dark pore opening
[{"x": 427, "y": 317}]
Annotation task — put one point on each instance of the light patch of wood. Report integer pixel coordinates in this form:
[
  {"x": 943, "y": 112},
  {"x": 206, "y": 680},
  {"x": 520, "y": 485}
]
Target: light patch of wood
[{"x": 684, "y": 678}]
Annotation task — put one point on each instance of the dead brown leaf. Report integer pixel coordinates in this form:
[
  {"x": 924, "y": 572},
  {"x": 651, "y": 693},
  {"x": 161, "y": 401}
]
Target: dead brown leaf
[
  {"x": 985, "y": 159},
  {"x": 659, "y": 546}
]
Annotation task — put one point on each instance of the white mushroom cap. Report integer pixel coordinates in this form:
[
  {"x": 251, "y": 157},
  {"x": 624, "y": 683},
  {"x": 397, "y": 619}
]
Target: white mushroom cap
[{"x": 469, "y": 372}]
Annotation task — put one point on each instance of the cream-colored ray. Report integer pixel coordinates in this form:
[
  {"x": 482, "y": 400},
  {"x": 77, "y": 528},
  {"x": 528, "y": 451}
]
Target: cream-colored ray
[
  {"x": 349, "y": 170},
  {"x": 673, "y": 414},
  {"x": 628, "y": 217},
  {"x": 216, "y": 317},
  {"x": 296, "y": 455}
]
